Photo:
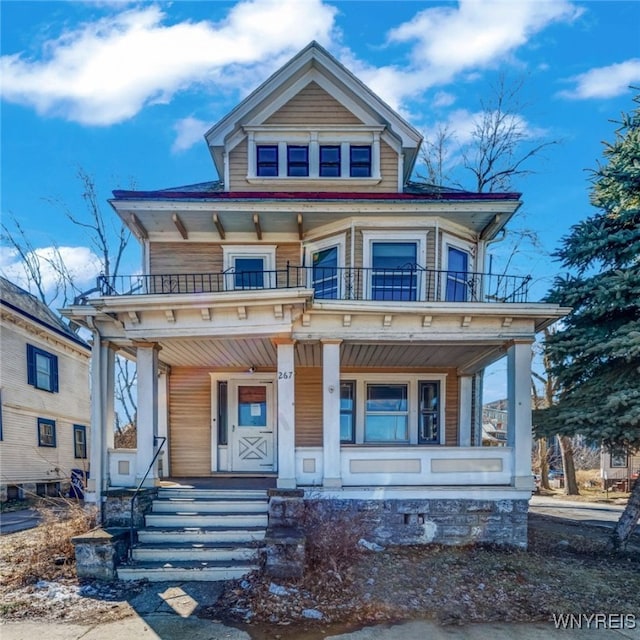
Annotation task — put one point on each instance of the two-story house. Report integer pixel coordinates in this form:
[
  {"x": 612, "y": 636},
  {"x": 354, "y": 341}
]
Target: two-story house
[
  {"x": 44, "y": 398},
  {"x": 315, "y": 317}
]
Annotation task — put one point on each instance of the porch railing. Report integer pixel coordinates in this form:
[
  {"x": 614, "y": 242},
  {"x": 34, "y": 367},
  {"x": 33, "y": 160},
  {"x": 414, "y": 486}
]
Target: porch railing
[{"x": 409, "y": 284}]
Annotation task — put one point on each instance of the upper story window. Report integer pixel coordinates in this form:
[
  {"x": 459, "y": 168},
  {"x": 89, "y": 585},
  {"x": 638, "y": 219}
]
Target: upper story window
[
  {"x": 42, "y": 369},
  {"x": 79, "y": 441},
  {"x": 360, "y": 161},
  {"x": 458, "y": 281},
  {"x": 394, "y": 275},
  {"x": 297, "y": 161},
  {"x": 267, "y": 160},
  {"x": 330, "y": 166}
]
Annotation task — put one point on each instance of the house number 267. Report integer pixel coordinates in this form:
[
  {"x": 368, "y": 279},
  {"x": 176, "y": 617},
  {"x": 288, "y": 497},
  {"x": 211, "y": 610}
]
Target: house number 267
[{"x": 285, "y": 375}]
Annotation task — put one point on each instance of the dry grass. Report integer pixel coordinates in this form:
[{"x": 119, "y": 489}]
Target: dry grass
[{"x": 47, "y": 553}]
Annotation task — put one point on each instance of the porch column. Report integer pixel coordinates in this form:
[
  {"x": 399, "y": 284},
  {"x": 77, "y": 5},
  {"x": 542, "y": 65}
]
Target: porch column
[
  {"x": 331, "y": 413},
  {"x": 464, "y": 409},
  {"x": 163, "y": 421},
  {"x": 286, "y": 414},
  {"x": 147, "y": 415},
  {"x": 102, "y": 418},
  {"x": 519, "y": 436}
]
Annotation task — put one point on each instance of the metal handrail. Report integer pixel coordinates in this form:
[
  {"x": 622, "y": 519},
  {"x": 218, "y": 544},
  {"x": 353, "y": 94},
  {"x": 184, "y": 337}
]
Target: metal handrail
[{"x": 137, "y": 491}]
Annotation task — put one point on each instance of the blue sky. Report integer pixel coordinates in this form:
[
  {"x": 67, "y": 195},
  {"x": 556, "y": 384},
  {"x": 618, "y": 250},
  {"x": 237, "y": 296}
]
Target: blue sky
[{"x": 126, "y": 90}]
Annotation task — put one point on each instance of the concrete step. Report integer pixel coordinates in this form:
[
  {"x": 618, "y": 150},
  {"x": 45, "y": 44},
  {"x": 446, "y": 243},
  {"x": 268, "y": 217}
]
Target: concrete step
[
  {"x": 194, "y": 552},
  {"x": 213, "y": 494},
  {"x": 195, "y": 519},
  {"x": 202, "y": 505},
  {"x": 186, "y": 571},
  {"x": 200, "y": 535}
]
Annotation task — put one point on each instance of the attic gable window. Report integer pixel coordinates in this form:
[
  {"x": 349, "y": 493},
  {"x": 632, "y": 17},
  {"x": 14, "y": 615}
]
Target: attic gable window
[
  {"x": 42, "y": 369},
  {"x": 297, "y": 161},
  {"x": 360, "y": 161},
  {"x": 267, "y": 160},
  {"x": 330, "y": 161}
]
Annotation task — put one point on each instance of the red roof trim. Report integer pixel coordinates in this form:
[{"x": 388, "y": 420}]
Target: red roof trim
[{"x": 307, "y": 195}]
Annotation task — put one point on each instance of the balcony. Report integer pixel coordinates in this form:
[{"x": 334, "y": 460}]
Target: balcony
[{"x": 410, "y": 284}]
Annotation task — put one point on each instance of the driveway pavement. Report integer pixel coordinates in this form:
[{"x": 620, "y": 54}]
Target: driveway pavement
[{"x": 13, "y": 521}]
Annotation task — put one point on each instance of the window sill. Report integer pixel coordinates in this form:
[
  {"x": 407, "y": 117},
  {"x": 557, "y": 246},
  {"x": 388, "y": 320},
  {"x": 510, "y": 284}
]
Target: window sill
[{"x": 337, "y": 182}]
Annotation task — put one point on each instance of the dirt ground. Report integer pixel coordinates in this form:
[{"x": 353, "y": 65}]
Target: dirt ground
[{"x": 565, "y": 570}]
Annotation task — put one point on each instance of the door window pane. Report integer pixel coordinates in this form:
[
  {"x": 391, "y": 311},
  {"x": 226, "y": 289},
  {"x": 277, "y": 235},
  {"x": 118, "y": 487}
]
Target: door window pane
[
  {"x": 325, "y": 273},
  {"x": 249, "y": 273},
  {"x": 394, "y": 274},
  {"x": 457, "y": 275},
  {"x": 386, "y": 417},
  {"x": 252, "y": 406}
]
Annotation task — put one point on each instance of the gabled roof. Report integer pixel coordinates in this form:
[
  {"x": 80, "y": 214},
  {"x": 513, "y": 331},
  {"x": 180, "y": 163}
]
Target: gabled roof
[
  {"x": 313, "y": 64},
  {"x": 27, "y": 305}
]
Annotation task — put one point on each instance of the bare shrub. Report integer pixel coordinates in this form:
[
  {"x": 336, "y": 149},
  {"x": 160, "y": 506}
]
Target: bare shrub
[
  {"x": 333, "y": 532},
  {"x": 48, "y": 553},
  {"x": 126, "y": 438}
]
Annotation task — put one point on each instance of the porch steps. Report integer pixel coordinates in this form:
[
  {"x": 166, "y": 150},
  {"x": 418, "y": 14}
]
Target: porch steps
[{"x": 200, "y": 535}]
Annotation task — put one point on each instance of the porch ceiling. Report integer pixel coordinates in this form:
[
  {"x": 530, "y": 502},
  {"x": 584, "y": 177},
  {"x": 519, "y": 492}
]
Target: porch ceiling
[{"x": 261, "y": 353}]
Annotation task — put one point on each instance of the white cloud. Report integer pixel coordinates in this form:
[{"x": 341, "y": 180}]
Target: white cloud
[
  {"x": 189, "y": 131},
  {"x": 450, "y": 40},
  {"x": 106, "y": 71},
  {"x": 604, "y": 82},
  {"x": 81, "y": 263}
]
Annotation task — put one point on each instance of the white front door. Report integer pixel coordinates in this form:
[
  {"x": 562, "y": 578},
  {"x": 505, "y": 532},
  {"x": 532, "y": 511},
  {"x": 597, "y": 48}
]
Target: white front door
[{"x": 251, "y": 426}]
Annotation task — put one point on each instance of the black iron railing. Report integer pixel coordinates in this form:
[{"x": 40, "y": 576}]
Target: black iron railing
[{"x": 408, "y": 284}]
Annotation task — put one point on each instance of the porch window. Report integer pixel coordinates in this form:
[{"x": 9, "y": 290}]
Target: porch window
[
  {"x": 386, "y": 413},
  {"x": 267, "y": 160},
  {"x": 325, "y": 273},
  {"x": 457, "y": 275},
  {"x": 249, "y": 273},
  {"x": 249, "y": 267},
  {"x": 79, "y": 441},
  {"x": 42, "y": 369},
  {"x": 330, "y": 161},
  {"x": 394, "y": 275},
  {"x": 297, "y": 161},
  {"x": 428, "y": 413},
  {"x": 360, "y": 161},
  {"x": 46, "y": 432},
  {"x": 347, "y": 411}
]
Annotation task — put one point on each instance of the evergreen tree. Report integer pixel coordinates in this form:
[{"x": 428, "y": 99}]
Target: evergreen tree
[{"x": 595, "y": 354}]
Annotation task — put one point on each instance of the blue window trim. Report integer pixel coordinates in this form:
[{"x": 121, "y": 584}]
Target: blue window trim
[
  {"x": 32, "y": 370},
  {"x": 52, "y": 424},
  {"x": 80, "y": 428}
]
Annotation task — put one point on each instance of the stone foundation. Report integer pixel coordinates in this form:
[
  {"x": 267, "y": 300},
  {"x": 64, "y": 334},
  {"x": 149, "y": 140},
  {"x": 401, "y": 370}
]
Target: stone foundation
[
  {"x": 99, "y": 552},
  {"x": 436, "y": 521},
  {"x": 116, "y": 511}
]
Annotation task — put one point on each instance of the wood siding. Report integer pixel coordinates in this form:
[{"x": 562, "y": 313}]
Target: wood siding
[
  {"x": 22, "y": 460},
  {"x": 190, "y": 422},
  {"x": 308, "y": 406},
  {"x": 185, "y": 257},
  {"x": 313, "y": 105}
]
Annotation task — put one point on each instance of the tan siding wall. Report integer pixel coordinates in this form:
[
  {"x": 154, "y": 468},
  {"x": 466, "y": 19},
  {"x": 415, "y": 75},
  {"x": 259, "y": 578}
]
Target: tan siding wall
[
  {"x": 308, "y": 407},
  {"x": 21, "y": 459},
  {"x": 190, "y": 421},
  {"x": 388, "y": 170},
  {"x": 188, "y": 257},
  {"x": 451, "y": 418},
  {"x": 313, "y": 105},
  {"x": 238, "y": 169}
]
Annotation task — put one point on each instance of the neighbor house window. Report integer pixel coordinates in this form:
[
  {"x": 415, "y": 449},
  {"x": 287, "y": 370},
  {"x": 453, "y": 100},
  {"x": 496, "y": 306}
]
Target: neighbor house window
[
  {"x": 386, "y": 413},
  {"x": 330, "y": 161},
  {"x": 347, "y": 411},
  {"x": 297, "y": 161},
  {"x": 42, "y": 369},
  {"x": 618, "y": 459},
  {"x": 79, "y": 441},
  {"x": 267, "y": 160},
  {"x": 46, "y": 432},
  {"x": 360, "y": 161}
]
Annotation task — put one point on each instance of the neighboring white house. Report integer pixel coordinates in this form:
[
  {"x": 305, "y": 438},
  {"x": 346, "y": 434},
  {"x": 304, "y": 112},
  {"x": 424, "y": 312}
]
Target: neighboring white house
[
  {"x": 316, "y": 317},
  {"x": 619, "y": 470},
  {"x": 44, "y": 403}
]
